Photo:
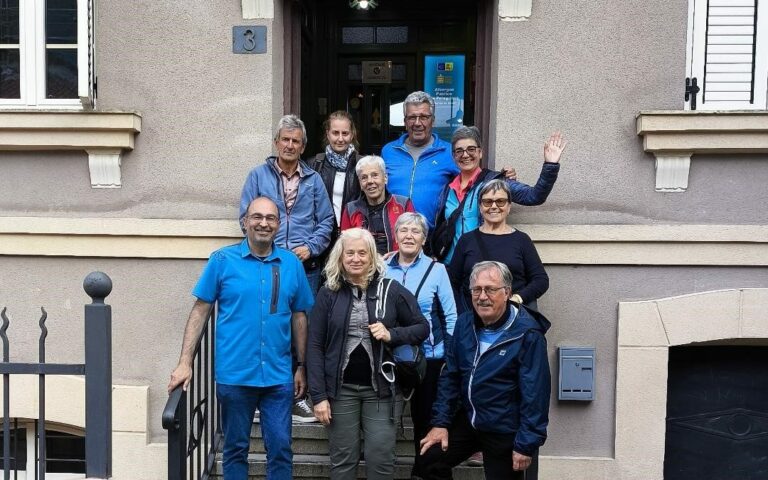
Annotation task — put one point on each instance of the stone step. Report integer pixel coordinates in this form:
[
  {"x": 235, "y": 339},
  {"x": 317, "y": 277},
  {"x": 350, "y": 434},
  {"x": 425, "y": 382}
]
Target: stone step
[
  {"x": 317, "y": 467},
  {"x": 312, "y": 439}
]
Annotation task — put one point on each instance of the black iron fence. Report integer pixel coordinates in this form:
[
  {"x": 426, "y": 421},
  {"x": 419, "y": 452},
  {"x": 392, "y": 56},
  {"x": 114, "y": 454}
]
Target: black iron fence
[
  {"x": 192, "y": 417},
  {"x": 98, "y": 383}
]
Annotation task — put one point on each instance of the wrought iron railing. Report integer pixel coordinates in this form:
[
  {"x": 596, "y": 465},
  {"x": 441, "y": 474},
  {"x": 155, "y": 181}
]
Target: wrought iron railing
[
  {"x": 98, "y": 383},
  {"x": 192, "y": 417}
]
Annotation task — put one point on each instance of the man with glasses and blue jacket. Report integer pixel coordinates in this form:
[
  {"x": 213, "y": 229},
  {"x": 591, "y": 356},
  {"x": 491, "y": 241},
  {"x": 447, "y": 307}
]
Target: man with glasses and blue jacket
[{"x": 497, "y": 367}]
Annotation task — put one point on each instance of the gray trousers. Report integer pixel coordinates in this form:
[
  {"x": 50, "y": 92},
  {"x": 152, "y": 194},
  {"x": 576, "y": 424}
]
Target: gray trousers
[{"x": 355, "y": 408}]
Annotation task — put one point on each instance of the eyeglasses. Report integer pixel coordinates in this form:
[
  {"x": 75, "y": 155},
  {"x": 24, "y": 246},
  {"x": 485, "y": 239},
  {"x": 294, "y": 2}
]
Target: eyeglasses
[
  {"x": 413, "y": 118},
  {"x": 500, "y": 202},
  {"x": 258, "y": 218},
  {"x": 459, "y": 152},
  {"x": 489, "y": 291}
]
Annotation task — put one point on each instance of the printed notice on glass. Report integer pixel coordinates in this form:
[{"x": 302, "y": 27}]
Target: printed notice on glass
[{"x": 444, "y": 80}]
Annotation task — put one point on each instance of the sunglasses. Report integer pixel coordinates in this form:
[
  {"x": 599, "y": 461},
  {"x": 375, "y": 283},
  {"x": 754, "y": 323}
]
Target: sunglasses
[{"x": 500, "y": 202}]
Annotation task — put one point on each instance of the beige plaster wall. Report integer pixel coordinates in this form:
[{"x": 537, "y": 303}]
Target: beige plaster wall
[
  {"x": 207, "y": 117},
  {"x": 151, "y": 300},
  {"x": 587, "y": 68}
]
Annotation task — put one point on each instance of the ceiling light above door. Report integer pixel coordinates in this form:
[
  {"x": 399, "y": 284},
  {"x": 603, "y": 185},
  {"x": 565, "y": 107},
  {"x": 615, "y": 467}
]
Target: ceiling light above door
[{"x": 363, "y": 4}]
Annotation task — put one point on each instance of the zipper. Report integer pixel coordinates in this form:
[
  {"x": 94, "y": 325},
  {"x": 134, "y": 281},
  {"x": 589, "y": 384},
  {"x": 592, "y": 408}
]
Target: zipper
[
  {"x": 476, "y": 361},
  {"x": 344, "y": 342}
]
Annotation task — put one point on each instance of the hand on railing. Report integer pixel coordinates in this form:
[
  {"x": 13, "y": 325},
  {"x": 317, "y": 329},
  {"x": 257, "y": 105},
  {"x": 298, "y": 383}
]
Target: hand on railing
[{"x": 180, "y": 376}]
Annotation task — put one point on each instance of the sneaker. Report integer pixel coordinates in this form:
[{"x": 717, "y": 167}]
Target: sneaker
[
  {"x": 256, "y": 417},
  {"x": 302, "y": 412},
  {"x": 476, "y": 460}
]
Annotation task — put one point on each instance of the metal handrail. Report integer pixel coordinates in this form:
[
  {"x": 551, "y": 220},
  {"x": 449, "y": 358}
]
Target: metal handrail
[{"x": 192, "y": 417}]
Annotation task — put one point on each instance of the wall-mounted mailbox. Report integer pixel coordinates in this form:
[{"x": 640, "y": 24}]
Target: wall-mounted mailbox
[{"x": 577, "y": 373}]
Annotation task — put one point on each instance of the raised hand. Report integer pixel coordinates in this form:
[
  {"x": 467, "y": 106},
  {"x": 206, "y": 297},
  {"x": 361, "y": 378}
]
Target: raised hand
[{"x": 553, "y": 148}]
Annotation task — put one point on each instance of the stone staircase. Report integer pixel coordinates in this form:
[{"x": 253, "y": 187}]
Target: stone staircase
[{"x": 311, "y": 462}]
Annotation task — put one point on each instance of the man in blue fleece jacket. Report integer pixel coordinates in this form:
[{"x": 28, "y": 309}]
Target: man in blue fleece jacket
[{"x": 497, "y": 367}]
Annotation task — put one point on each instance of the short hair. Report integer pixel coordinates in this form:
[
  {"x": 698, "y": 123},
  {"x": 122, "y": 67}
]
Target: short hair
[
  {"x": 370, "y": 160},
  {"x": 291, "y": 122},
  {"x": 334, "y": 271},
  {"x": 504, "y": 273},
  {"x": 340, "y": 115},
  {"x": 467, "y": 133},
  {"x": 417, "y": 98},
  {"x": 412, "y": 217},
  {"x": 495, "y": 186}
]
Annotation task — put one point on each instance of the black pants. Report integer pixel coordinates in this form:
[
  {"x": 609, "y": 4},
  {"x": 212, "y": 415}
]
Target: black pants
[
  {"x": 463, "y": 441},
  {"x": 421, "y": 409}
]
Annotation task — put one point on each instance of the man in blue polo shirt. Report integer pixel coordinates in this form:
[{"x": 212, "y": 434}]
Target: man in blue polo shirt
[{"x": 262, "y": 294}]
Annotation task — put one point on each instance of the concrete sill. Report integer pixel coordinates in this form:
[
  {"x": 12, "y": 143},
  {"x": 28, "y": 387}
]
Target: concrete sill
[
  {"x": 103, "y": 135},
  {"x": 674, "y": 136}
]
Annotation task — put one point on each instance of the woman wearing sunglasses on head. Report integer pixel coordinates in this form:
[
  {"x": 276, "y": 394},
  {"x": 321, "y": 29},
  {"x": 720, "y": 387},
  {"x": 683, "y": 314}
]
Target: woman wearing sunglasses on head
[
  {"x": 459, "y": 211},
  {"x": 498, "y": 241}
]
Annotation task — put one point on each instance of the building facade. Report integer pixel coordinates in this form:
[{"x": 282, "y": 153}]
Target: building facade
[{"x": 127, "y": 129}]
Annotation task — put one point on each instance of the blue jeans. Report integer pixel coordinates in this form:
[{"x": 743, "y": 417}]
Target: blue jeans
[
  {"x": 238, "y": 405},
  {"x": 314, "y": 277}
]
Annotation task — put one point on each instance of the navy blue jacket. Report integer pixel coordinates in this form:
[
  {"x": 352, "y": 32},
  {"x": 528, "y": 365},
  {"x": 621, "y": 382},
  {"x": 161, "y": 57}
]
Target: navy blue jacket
[{"x": 504, "y": 390}]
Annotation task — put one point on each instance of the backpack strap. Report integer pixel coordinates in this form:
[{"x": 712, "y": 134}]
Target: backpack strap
[{"x": 424, "y": 279}]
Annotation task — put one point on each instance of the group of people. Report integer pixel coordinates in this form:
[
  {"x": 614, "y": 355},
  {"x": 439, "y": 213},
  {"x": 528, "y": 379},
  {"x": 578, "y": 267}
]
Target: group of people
[{"x": 347, "y": 257}]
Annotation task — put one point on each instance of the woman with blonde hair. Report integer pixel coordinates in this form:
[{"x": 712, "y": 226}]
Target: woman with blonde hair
[{"x": 358, "y": 317}]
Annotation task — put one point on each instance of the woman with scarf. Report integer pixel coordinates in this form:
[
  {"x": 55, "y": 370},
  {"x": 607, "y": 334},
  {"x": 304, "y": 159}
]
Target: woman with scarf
[{"x": 336, "y": 165}]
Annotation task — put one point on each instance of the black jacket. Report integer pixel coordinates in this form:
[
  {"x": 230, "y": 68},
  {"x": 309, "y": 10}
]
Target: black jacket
[
  {"x": 328, "y": 174},
  {"x": 328, "y": 334}
]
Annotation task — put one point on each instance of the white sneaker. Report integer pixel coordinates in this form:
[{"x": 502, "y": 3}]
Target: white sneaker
[{"x": 302, "y": 412}]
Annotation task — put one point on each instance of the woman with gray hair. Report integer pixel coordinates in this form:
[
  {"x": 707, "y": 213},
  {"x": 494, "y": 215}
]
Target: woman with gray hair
[
  {"x": 377, "y": 209},
  {"x": 428, "y": 281},
  {"x": 459, "y": 211},
  {"x": 358, "y": 316},
  {"x": 496, "y": 240}
]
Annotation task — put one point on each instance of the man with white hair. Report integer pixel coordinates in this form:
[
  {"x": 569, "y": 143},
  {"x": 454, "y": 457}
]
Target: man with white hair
[{"x": 497, "y": 368}]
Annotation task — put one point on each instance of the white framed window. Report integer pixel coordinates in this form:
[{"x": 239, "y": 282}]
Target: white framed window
[
  {"x": 46, "y": 50},
  {"x": 728, "y": 53}
]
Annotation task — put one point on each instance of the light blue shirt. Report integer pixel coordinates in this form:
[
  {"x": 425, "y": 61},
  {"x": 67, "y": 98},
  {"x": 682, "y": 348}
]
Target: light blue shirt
[
  {"x": 256, "y": 298},
  {"x": 435, "y": 299}
]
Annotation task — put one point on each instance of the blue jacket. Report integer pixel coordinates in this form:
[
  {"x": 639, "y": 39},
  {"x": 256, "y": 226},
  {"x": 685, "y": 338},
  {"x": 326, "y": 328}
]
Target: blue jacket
[
  {"x": 470, "y": 217},
  {"x": 504, "y": 390},
  {"x": 435, "y": 299},
  {"x": 311, "y": 220},
  {"x": 421, "y": 181}
]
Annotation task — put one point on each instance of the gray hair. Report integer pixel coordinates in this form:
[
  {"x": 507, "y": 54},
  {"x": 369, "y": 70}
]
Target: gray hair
[
  {"x": 408, "y": 218},
  {"x": 371, "y": 160},
  {"x": 467, "y": 133},
  {"x": 291, "y": 122},
  {"x": 504, "y": 273},
  {"x": 417, "y": 98},
  {"x": 495, "y": 186}
]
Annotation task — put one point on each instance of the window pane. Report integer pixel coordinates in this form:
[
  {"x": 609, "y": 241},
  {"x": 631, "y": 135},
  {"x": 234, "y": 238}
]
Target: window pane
[
  {"x": 356, "y": 35},
  {"x": 61, "y": 73},
  {"x": 355, "y": 71},
  {"x": 9, "y": 21},
  {"x": 10, "y": 86},
  {"x": 65, "y": 452},
  {"x": 391, "y": 34},
  {"x": 399, "y": 71},
  {"x": 60, "y": 21},
  {"x": 18, "y": 446}
]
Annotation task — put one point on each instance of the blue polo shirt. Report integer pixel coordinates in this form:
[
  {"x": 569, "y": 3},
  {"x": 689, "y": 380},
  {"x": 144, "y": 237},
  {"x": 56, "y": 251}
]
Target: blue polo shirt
[{"x": 256, "y": 297}]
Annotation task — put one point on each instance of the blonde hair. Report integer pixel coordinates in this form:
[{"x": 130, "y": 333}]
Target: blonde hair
[{"x": 334, "y": 270}]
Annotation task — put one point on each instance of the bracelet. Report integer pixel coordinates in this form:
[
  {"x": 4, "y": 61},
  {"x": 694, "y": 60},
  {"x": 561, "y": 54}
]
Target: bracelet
[{"x": 299, "y": 364}]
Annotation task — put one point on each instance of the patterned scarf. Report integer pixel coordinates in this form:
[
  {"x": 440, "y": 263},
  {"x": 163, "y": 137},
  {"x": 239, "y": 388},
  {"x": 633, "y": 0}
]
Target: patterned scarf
[{"x": 339, "y": 160}]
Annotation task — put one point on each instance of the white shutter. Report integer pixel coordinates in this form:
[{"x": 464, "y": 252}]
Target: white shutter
[
  {"x": 728, "y": 54},
  {"x": 85, "y": 51}
]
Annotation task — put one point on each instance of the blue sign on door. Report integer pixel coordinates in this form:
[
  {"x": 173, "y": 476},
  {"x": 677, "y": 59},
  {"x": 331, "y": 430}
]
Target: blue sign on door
[{"x": 444, "y": 80}]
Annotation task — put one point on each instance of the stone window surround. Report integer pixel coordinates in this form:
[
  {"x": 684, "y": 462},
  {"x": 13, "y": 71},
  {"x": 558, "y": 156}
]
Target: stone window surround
[
  {"x": 674, "y": 136},
  {"x": 646, "y": 330},
  {"x": 103, "y": 135}
]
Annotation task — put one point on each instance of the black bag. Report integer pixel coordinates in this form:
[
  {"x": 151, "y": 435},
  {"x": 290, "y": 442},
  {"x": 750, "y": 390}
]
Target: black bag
[
  {"x": 444, "y": 232},
  {"x": 410, "y": 364}
]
